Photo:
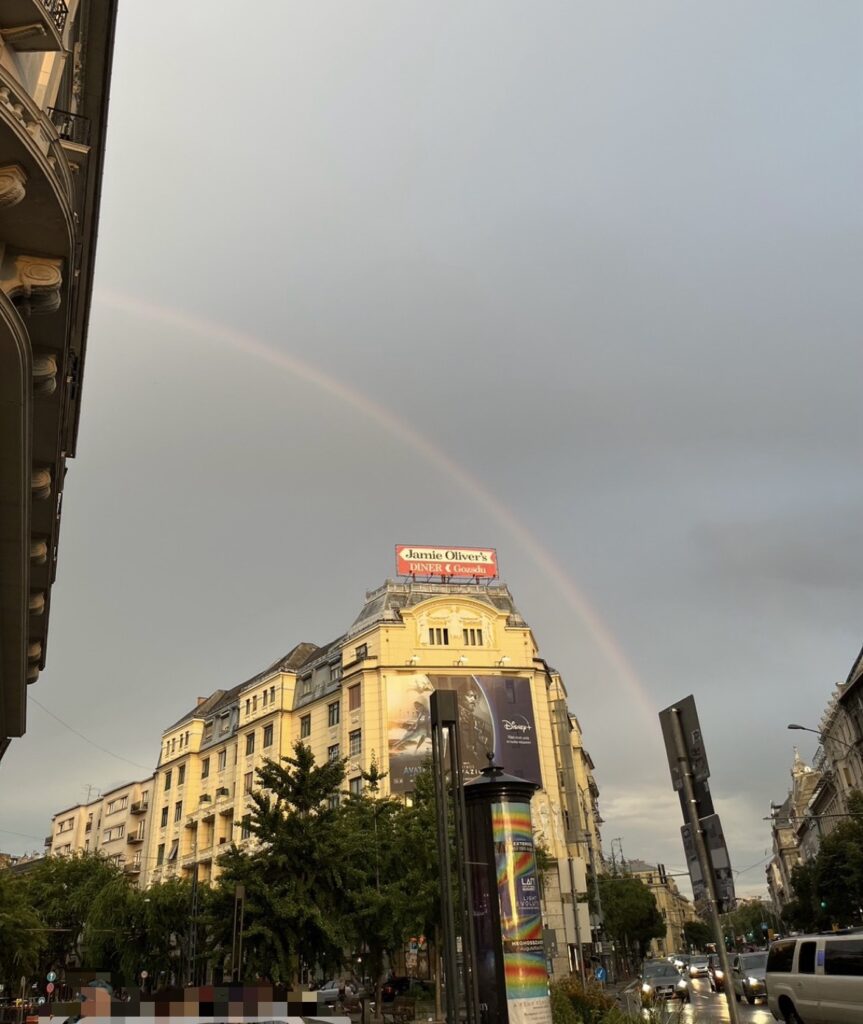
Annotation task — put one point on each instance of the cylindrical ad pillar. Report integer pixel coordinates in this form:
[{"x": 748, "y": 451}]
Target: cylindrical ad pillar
[{"x": 511, "y": 968}]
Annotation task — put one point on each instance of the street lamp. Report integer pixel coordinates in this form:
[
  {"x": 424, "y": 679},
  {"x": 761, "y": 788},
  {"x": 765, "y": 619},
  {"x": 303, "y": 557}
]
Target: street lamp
[{"x": 820, "y": 735}]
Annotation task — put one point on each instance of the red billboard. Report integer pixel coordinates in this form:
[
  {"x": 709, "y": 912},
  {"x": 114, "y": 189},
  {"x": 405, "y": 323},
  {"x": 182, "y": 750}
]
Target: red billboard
[{"x": 415, "y": 560}]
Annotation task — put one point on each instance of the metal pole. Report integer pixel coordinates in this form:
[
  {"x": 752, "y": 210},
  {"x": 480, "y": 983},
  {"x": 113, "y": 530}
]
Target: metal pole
[
  {"x": 576, "y": 915},
  {"x": 468, "y": 936},
  {"x": 450, "y": 960},
  {"x": 703, "y": 859}
]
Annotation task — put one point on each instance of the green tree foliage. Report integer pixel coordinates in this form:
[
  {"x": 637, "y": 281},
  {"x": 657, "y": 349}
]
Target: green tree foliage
[
  {"x": 630, "y": 913},
  {"x": 62, "y": 891},
  {"x": 21, "y": 941},
  {"x": 829, "y": 888},
  {"x": 293, "y": 880},
  {"x": 697, "y": 934}
]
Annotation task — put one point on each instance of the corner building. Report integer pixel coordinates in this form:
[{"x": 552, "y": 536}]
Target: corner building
[{"x": 365, "y": 696}]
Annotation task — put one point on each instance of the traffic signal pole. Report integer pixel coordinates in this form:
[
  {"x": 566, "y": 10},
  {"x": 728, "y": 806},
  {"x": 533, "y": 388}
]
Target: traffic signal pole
[{"x": 704, "y": 860}]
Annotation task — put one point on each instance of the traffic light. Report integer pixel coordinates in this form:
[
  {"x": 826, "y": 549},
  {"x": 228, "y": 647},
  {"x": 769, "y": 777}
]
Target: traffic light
[{"x": 824, "y": 904}]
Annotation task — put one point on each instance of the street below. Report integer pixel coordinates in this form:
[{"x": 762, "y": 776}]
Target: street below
[{"x": 706, "y": 1006}]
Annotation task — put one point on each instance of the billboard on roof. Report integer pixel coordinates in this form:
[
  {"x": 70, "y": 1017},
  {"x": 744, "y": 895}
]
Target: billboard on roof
[{"x": 420, "y": 560}]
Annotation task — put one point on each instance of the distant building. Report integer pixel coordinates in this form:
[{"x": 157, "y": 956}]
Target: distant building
[
  {"x": 114, "y": 824},
  {"x": 364, "y": 696},
  {"x": 55, "y": 66},
  {"x": 674, "y": 907},
  {"x": 785, "y": 819}
]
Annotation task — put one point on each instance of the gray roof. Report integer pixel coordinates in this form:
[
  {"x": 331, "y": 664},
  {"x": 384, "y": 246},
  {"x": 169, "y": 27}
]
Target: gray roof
[{"x": 385, "y": 604}]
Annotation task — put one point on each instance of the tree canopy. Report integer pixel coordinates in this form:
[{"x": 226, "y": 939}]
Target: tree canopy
[{"x": 630, "y": 913}]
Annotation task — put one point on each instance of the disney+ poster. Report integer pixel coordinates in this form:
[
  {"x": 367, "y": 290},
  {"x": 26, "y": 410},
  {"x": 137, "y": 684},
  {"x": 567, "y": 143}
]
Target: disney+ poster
[{"x": 495, "y": 714}]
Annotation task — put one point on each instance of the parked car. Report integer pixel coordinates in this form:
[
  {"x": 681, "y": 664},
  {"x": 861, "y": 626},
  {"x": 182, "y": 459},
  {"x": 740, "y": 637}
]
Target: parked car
[
  {"x": 698, "y": 967},
  {"x": 662, "y": 980},
  {"x": 748, "y": 976},
  {"x": 715, "y": 974},
  {"x": 817, "y": 978}
]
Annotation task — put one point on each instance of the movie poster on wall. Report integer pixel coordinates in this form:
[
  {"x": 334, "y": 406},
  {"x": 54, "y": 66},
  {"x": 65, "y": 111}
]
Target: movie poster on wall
[{"x": 495, "y": 714}]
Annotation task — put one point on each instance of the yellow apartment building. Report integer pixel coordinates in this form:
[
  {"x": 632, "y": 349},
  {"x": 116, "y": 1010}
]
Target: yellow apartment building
[
  {"x": 114, "y": 824},
  {"x": 675, "y": 908},
  {"x": 366, "y": 695}
]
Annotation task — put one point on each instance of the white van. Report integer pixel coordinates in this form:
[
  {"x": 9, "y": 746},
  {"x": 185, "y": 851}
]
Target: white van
[{"x": 817, "y": 979}]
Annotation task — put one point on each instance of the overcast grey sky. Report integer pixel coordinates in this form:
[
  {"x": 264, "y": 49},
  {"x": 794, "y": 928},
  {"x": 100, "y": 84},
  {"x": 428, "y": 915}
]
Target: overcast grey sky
[{"x": 605, "y": 257}]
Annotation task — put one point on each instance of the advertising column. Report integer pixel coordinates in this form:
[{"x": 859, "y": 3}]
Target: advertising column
[{"x": 511, "y": 966}]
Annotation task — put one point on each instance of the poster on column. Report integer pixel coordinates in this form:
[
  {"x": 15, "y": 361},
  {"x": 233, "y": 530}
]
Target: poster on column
[
  {"x": 525, "y": 971},
  {"x": 495, "y": 715}
]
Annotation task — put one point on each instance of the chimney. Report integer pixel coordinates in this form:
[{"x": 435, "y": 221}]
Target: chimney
[{"x": 201, "y": 700}]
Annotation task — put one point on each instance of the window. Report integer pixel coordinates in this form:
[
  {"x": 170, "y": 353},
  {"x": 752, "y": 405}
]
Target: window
[
  {"x": 173, "y": 744},
  {"x": 247, "y": 782},
  {"x": 168, "y": 774},
  {"x": 268, "y": 735},
  {"x": 178, "y": 810},
  {"x": 107, "y": 836},
  {"x": 305, "y": 726},
  {"x": 333, "y": 753},
  {"x": 333, "y": 714},
  {"x": 245, "y": 830},
  {"x": 160, "y": 854},
  {"x": 472, "y": 637},
  {"x": 175, "y": 846},
  {"x": 248, "y": 706},
  {"x": 181, "y": 775},
  {"x": 306, "y": 686},
  {"x": 272, "y": 694},
  {"x": 355, "y": 742},
  {"x": 806, "y": 958},
  {"x": 439, "y": 637},
  {"x": 335, "y": 671},
  {"x": 265, "y": 698},
  {"x": 164, "y": 816},
  {"x": 781, "y": 957},
  {"x": 333, "y": 801},
  {"x": 250, "y": 743},
  {"x": 223, "y": 760},
  {"x": 119, "y": 831},
  {"x": 254, "y": 703},
  {"x": 355, "y": 697},
  {"x": 361, "y": 652},
  {"x": 356, "y": 786},
  {"x": 205, "y": 768},
  {"x": 845, "y": 958}
]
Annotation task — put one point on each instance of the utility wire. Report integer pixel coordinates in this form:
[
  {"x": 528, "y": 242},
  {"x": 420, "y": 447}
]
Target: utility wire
[
  {"x": 24, "y": 835},
  {"x": 86, "y": 739}
]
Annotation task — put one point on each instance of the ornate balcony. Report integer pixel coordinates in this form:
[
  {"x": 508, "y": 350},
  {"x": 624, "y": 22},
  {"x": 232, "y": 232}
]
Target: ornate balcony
[{"x": 33, "y": 25}]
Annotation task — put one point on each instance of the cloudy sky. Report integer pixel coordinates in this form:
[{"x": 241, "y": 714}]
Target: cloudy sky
[{"x": 580, "y": 281}]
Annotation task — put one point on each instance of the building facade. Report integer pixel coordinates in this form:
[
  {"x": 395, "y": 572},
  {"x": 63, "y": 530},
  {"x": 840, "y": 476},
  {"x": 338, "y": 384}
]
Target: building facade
[
  {"x": 785, "y": 823},
  {"x": 365, "y": 697},
  {"x": 674, "y": 907},
  {"x": 55, "y": 62},
  {"x": 114, "y": 824}
]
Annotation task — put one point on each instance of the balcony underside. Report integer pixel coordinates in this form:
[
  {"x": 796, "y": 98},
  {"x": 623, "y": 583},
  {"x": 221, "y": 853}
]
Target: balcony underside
[{"x": 33, "y": 25}]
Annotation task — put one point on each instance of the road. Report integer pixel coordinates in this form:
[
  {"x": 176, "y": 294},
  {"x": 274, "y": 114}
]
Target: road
[{"x": 709, "y": 1007}]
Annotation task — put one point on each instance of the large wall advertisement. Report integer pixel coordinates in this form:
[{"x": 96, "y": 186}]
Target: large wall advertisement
[{"x": 495, "y": 715}]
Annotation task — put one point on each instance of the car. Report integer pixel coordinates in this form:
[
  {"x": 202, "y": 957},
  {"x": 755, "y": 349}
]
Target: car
[
  {"x": 681, "y": 960},
  {"x": 698, "y": 966},
  {"x": 715, "y": 974},
  {"x": 662, "y": 980},
  {"x": 328, "y": 991},
  {"x": 748, "y": 977},
  {"x": 817, "y": 978}
]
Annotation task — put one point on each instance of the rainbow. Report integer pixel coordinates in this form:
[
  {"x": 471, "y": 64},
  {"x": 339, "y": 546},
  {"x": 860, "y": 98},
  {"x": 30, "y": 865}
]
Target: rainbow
[{"x": 407, "y": 434}]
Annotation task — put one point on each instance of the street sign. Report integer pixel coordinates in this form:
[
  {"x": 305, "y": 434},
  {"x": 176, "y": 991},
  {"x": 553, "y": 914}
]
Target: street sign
[
  {"x": 51, "y": 975},
  {"x": 144, "y": 975},
  {"x": 723, "y": 879},
  {"x": 692, "y": 738},
  {"x": 49, "y": 988}
]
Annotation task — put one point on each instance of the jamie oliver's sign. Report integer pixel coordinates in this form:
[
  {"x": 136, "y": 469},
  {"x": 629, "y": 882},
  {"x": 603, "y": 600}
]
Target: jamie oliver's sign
[{"x": 418, "y": 561}]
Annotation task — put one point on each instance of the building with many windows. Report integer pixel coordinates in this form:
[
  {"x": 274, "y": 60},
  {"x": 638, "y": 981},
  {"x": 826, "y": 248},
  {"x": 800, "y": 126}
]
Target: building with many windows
[
  {"x": 364, "y": 697},
  {"x": 55, "y": 65},
  {"x": 674, "y": 907},
  {"x": 114, "y": 824}
]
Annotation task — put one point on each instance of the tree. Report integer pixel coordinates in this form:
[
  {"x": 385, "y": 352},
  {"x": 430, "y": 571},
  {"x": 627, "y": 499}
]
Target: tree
[
  {"x": 293, "y": 903},
  {"x": 697, "y": 934},
  {"x": 21, "y": 937},
  {"x": 62, "y": 891},
  {"x": 630, "y": 913}
]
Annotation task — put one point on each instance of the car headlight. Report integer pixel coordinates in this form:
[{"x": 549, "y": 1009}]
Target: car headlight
[
  {"x": 718, "y": 973},
  {"x": 646, "y": 988},
  {"x": 753, "y": 982},
  {"x": 681, "y": 983}
]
